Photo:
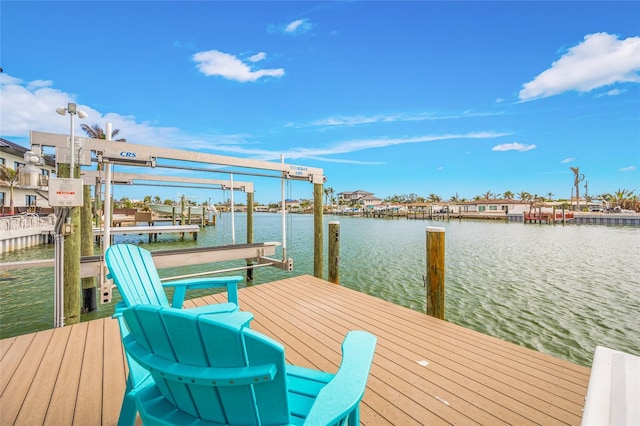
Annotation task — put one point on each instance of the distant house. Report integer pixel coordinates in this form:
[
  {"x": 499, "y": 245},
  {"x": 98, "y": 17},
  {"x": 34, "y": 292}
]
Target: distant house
[
  {"x": 493, "y": 207},
  {"x": 363, "y": 198},
  {"x": 12, "y": 156}
]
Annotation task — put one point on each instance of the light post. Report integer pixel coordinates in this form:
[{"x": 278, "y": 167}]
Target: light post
[
  {"x": 72, "y": 110},
  {"x": 63, "y": 211}
]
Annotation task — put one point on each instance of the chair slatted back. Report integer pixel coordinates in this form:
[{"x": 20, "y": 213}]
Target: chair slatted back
[
  {"x": 209, "y": 369},
  {"x": 134, "y": 273}
]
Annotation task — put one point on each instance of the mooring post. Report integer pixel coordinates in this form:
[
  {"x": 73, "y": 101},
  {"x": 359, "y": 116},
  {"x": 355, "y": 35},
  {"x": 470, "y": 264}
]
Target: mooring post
[
  {"x": 71, "y": 258},
  {"x": 249, "y": 234},
  {"x": 318, "y": 242},
  {"x": 435, "y": 272},
  {"x": 334, "y": 252}
]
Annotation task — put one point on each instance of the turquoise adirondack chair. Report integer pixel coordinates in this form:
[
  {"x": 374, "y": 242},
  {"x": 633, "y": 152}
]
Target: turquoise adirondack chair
[
  {"x": 206, "y": 371},
  {"x": 134, "y": 273}
]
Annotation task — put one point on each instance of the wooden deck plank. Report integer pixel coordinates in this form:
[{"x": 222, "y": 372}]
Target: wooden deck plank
[
  {"x": 65, "y": 392},
  {"x": 22, "y": 377},
  {"x": 114, "y": 373},
  {"x": 12, "y": 360},
  {"x": 91, "y": 373},
  {"x": 36, "y": 403},
  {"x": 5, "y": 345},
  {"x": 470, "y": 378}
]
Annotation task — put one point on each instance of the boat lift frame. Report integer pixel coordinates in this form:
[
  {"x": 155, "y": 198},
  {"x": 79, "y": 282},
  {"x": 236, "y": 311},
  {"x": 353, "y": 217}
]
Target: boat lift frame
[{"x": 108, "y": 152}]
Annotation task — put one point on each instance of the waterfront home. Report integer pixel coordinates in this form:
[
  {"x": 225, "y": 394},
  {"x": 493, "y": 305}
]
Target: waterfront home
[
  {"x": 12, "y": 157},
  {"x": 360, "y": 197},
  {"x": 494, "y": 207}
]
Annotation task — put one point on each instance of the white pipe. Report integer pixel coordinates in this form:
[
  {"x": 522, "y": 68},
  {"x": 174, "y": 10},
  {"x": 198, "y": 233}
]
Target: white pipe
[
  {"x": 233, "y": 222},
  {"x": 106, "y": 238},
  {"x": 72, "y": 149},
  {"x": 284, "y": 214},
  {"x": 105, "y": 287},
  {"x": 58, "y": 314}
]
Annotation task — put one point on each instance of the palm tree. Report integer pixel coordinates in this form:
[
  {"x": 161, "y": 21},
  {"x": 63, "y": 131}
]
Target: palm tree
[
  {"x": 549, "y": 196},
  {"x": 508, "y": 195},
  {"x": 525, "y": 196},
  {"x": 622, "y": 198},
  {"x": 488, "y": 195},
  {"x": 576, "y": 182},
  {"x": 9, "y": 177},
  {"x": 328, "y": 192},
  {"x": 96, "y": 132}
]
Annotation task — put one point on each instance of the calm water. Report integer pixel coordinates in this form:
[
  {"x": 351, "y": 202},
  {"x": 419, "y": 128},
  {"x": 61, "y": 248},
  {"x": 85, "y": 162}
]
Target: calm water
[{"x": 557, "y": 289}]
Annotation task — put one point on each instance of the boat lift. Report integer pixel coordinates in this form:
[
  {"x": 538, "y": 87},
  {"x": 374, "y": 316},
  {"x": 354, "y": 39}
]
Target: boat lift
[{"x": 107, "y": 152}]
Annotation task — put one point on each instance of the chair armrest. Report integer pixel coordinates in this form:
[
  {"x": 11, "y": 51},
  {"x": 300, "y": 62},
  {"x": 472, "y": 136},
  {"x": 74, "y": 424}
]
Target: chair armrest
[
  {"x": 343, "y": 394},
  {"x": 181, "y": 287}
]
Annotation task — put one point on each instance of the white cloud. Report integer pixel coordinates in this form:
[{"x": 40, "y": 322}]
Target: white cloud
[
  {"x": 600, "y": 60},
  {"x": 352, "y": 146},
  {"x": 298, "y": 26},
  {"x": 386, "y": 118},
  {"x": 628, "y": 169},
  {"x": 293, "y": 26},
  {"x": 514, "y": 146},
  {"x": 214, "y": 62},
  {"x": 568, "y": 160},
  {"x": 258, "y": 57},
  {"x": 26, "y": 106}
]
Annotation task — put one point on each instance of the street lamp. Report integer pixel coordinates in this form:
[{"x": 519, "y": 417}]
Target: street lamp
[{"x": 72, "y": 110}]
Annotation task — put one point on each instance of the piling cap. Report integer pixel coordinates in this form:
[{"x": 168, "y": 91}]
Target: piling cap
[{"x": 435, "y": 229}]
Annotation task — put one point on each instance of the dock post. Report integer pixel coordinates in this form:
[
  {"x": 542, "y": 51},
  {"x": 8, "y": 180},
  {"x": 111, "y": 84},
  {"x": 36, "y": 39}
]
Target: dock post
[
  {"x": 435, "y": 272},
  {"x": 318, "y": 242},
  {"x": 249, "y": 234},
  {"x": 71, "y": 257},
  {"x": 334, "y": 252}
]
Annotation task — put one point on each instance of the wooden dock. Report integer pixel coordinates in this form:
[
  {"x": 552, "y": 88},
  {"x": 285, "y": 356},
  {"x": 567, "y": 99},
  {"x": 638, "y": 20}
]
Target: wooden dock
[{"x": 425, "y": 371}]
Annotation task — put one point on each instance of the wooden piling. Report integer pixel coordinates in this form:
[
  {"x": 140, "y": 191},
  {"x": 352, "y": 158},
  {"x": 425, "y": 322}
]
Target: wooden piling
[
  {"x": 71, "y": 261},
  {"x": 318, "y": 243},
  {"x": 435, "y": 272},
  {"x": 334, "y": 252}
]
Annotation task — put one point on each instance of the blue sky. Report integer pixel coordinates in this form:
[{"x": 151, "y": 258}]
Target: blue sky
[{"x": 390, "y": 97}]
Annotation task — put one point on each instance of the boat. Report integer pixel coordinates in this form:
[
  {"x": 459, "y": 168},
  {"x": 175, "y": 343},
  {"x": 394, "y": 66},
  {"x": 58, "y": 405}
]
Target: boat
[{"x": 169, "y": 209}]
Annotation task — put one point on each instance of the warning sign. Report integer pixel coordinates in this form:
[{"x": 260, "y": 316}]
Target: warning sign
[{"x": 65, "y": 192}]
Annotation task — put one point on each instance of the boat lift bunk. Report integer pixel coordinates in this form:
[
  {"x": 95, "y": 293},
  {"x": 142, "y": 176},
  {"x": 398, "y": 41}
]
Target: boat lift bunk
[{"x": 108, "y": 153}]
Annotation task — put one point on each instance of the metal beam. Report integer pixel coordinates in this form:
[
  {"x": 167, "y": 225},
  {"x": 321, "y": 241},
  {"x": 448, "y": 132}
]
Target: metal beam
[
  {"x": 94, "y": 175},
  {"x": 130, "y": 151},
  {"x": 90, "y": 265}
]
